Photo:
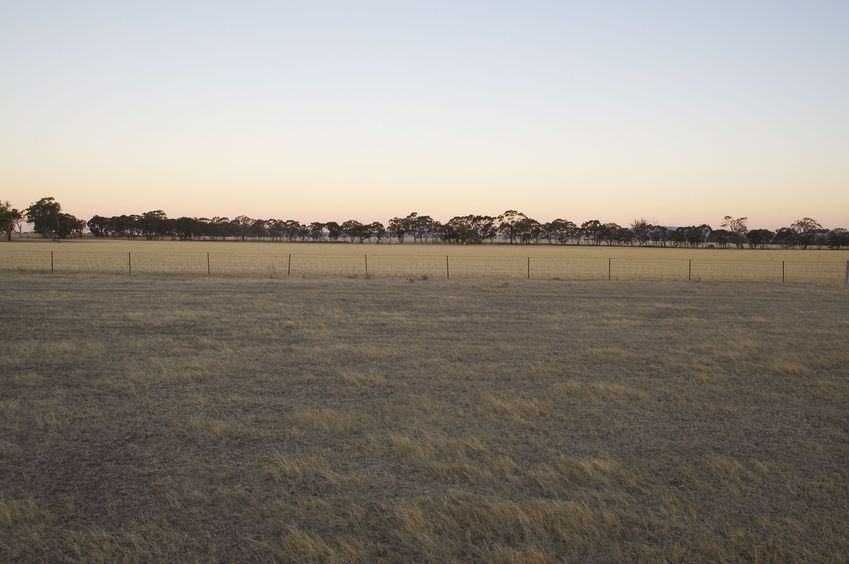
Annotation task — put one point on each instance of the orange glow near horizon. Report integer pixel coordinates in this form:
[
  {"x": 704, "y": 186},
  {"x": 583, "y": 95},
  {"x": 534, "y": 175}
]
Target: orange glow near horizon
[{"x": 609, "y": 112}]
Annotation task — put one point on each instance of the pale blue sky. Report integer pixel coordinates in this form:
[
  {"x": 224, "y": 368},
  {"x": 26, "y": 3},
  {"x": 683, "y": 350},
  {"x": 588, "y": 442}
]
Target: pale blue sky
[{"x": 680, "y": 112}]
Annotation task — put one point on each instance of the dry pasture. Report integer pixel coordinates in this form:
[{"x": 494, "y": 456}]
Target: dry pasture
[
  {"x": 546, "y": 262},
  {"x": 350, "y": 420}
]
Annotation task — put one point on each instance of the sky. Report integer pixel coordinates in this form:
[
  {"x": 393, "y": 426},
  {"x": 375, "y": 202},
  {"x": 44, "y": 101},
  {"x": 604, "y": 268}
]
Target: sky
[{"x": 679, "y": 112}]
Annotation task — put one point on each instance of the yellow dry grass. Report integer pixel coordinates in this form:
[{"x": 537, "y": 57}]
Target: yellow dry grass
[{"x": 417, "y": 261}]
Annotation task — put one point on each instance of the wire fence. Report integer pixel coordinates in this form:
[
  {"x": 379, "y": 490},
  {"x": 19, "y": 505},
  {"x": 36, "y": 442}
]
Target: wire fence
[{"x": 425, "y": 266}]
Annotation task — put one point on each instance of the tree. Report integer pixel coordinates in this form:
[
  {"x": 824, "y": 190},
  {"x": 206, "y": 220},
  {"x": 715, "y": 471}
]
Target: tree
[
  {"x": 528, "y": 230},
  {"x": 610, "y": 232},
  {"x": 838, "y": 238},
  {"x": 641, "y": 230},
  {"x": 153, "y": 224},
  {"x": 397, "y": 228},
  {"x": 44, "y": 215},
  {"x": 722, "y": 238},
  {"x": 659, "y": 234},
  {"x": 737, "y": 227},
  {"x": 509, "y": 224},
  {"x": 785, "y": 236},
  {"x": 561, "y": 230},
  {"x": 99, "y": 226},
  {"x": 759, "y": 238},
  {"x": 186, "y": 228},
  {"x": 334, "y": 230},
  {"x": 316, "y": 230},
  {"x": 591, "y": 230},
  {"x": 805, "y": 229},
  {"x": 69, "y": 226},
  {"x": 696, "y": 236},
  {"x": 9, "y": 219},
  {"x": 47, "y": 217},
  {"x": 242, "y": 226},
  {"x": 356, "y": 231},
  {"x": 378, "y": 231},
  {"x": 420, "y": 226}
]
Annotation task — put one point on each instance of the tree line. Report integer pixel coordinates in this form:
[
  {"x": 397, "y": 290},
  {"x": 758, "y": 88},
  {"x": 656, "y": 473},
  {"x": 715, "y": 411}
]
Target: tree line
[{"x": 512, "y": 226}]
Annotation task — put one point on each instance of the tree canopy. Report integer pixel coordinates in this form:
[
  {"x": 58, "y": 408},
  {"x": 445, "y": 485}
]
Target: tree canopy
[
  {"x": 9, "y": 219},
  {"x": 511, "y": 227}
]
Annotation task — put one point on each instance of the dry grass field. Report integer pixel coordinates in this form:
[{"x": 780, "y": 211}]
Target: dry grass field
[
  {"x": 339, "y": 420},
  {"x": 547, "y": 262}
]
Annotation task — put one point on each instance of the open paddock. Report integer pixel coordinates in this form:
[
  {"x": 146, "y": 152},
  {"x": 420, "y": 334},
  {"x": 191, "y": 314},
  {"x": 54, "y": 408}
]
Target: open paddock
[
  {"x": 188, "y": 418},
  {"x": 409, "y": 260}
]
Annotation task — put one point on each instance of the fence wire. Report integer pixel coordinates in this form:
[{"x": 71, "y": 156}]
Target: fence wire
[{"x": 425, "y": 266}]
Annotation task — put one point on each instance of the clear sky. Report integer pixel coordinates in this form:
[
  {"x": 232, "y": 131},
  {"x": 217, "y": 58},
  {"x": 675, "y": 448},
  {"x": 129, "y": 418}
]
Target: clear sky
[{"x": 680, "y": 112}]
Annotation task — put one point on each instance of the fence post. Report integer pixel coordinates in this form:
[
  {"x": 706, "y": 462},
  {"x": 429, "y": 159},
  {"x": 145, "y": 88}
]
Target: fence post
[
  {"x": 51, "y": 262},
  {"x": 366, "y": 257},
  {"x": 208, "y": 267},
  {"x": 289, "y": 266},
  {"x": 129, "y": 263},
  {"x": 689, "y": 270},
  {"x": 847, "y": 271},
  {"x": 609, "y": 270},
  {"x": 447, "y": 271},
  {"x": 529, "y": 268},
  {"x": 782, "y": 270}
]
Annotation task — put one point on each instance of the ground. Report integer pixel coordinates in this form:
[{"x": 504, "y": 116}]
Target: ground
[
  {"x": 204, "y": 418},
  {"x": 502, "y": 261}
]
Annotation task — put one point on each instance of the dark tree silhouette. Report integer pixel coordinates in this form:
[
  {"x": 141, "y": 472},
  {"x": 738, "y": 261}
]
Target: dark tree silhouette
[{"x": 9, "y": 219}]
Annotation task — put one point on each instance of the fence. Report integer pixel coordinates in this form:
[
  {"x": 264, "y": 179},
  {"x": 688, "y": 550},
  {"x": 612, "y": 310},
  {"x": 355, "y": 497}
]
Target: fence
[{"x": 431, "y": 266}]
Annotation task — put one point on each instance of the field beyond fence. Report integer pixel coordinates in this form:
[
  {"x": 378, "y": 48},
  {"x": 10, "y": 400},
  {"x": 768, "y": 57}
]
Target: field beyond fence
[{"x": 550, "y": 267}]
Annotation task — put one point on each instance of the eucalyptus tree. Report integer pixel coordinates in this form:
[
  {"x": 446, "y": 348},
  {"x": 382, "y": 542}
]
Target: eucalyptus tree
[
  {"x": 759, "y": 238},
  {"x": 48, "y": 219},
  {"x": 44, "y": 216},
  {"x": 806, "y": 230},
  {"x": 316, "y": 230},
  {"x": 378, "y": 231},
  {"x": 9, "y": 219},
  {"x": 737, "y": 227},
  {"x": 591, "y": 230},
  {"x": 510, "y": 224}
]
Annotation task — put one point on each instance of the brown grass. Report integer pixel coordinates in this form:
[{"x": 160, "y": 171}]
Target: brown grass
[
  {"x": 599, "y": 391},
  {"x": 353, "y": 420}
]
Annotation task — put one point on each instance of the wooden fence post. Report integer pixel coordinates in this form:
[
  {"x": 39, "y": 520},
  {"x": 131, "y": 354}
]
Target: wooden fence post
[
  {"x": 289, "y": 267},
  {"x": 689, "y": 270},
  {"x": 129, "y": 263},
  {"x": 51, "y": 262},
  {"x": 609, "y": 269},
  {"x": 847, "y": 271},
  {"x": 782, "y": 271},
  {"x": 366, "y": 257},
  {"x": 447, "y": 271},
  {"x": 529, "y": 268},
  {"x": 208, "y": 267}
]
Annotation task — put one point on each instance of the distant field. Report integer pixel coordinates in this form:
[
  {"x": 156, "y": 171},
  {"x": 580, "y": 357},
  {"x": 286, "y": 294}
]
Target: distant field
[
  {"x": 189, "y": 418},
  {"x": 431, "y": 260}
]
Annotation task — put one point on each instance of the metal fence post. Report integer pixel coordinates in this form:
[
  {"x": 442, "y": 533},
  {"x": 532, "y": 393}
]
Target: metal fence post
[
  {"x": 529, "y": 268},
  {"x": 782, "y": 271},
  {"x": 129, "y": 263},
  {"x": 689, "y": 270},
  {"x": 609, "y": 269},
  {"x": 447, "y": 271},
  {"x": 51, "y": 262}
]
